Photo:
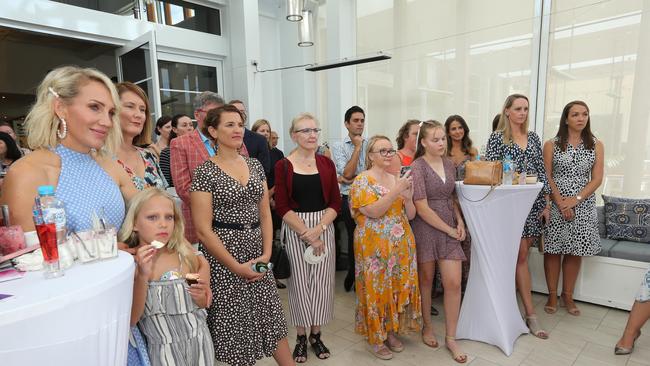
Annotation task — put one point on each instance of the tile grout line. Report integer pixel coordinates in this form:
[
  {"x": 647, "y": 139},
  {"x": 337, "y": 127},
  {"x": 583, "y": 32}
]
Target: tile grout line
[{"x": 579, "y": 353}]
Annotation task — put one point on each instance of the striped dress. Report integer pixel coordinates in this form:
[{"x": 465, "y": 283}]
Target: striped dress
[{"x": 175, "y": 327}]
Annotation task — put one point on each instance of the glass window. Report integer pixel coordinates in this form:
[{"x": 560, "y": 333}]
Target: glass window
[
  {"x": 180, "y": 83},
  {"x": 176, "y": 13},
  {"x": 462, "y": 57},
  {"x": 186, "y": 15},
  {"x": 600, "y": 56}
]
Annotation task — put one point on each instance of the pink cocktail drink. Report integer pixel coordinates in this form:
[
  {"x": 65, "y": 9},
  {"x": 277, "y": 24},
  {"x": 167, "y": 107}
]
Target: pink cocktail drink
[
  {"x": 47, "y": 237},
  {"x": 12, "y": 239}
]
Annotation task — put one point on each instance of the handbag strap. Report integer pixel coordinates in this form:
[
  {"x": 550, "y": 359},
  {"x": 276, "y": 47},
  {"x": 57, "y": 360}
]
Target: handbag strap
[
  {"x": 492, "y": 187},
  {"x": 283, "y": 244}
]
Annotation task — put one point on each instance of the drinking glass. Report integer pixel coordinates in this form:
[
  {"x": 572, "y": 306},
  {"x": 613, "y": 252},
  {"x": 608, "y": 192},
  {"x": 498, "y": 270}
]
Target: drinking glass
[{"x": 47, "y": 238}]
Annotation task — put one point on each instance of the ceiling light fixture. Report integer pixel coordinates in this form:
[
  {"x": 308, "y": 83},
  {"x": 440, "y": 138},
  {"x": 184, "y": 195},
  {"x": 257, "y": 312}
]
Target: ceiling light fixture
[
  {"x": 304, "y": 30},
  {"x": 294, "y": 10},
  {"x": 349, "y": 62}
]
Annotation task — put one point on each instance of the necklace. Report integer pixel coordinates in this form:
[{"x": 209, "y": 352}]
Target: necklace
[{"x": 308, "y": 161}]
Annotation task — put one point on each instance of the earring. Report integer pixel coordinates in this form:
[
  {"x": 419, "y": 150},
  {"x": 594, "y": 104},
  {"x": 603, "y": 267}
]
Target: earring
[{"x": 64, "y": 126}]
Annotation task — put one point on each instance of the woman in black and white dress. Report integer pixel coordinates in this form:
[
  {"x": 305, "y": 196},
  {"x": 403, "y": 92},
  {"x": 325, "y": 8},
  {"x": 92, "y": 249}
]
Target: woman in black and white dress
[
  {"x": 232, "y": 216},
  {"x": 524, "y": 147},
  {"x": 574, "y": 164},
  {"x": 307, "y": 198}
]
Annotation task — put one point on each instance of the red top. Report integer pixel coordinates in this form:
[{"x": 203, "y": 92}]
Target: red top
[
  {"x": 284, "y": 183},
  {"x": 405, "y": 159}
]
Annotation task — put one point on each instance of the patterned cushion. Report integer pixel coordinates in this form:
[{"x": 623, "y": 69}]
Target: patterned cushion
[{"x": 627, "y": 219}]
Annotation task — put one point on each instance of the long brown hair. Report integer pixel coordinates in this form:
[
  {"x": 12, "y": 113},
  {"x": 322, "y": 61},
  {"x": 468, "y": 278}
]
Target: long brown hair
[
  {"x": 404, "y": 131},
  {"x": 504, "y": 122},
  {"x": 425, "y": 127},
  {"x": 466, "y": 142},
  {"x": 144, "y": 138},
  {"x": 563, "y": 131}
]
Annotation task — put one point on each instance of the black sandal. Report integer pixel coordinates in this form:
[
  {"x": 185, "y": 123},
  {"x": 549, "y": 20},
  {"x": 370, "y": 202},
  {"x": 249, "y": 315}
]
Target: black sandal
[
  {"x": 318, "y": 346},
  {"x": 301, "y": 349}
]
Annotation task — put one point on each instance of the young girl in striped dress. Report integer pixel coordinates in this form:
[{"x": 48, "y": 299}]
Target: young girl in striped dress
[{"x": 169, "y": 312}]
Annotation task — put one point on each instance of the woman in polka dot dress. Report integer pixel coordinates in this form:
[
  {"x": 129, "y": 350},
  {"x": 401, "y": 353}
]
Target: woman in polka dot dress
[
  {"x": 574, "y": 161},
  {"x": 231, "y": 212},
  {"x": 524, "y": 147}
]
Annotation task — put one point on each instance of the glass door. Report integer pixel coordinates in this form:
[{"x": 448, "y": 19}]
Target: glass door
[
  {"x": 137, "y": 62},
  {"x": 182, "y": 78}
]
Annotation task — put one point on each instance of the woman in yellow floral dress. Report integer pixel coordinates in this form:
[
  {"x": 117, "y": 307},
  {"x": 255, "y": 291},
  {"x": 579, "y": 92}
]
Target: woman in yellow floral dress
[{"x": 388, "y": 297}]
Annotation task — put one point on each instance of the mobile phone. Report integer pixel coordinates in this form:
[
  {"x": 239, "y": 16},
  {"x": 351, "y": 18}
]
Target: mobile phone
[{"x": 403, "y": 170}]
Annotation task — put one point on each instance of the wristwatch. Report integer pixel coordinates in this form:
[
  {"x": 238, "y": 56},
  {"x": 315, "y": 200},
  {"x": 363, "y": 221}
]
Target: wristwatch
[
  {"x": 579, "y": 198},
  {"x": 324, "y": 227}
]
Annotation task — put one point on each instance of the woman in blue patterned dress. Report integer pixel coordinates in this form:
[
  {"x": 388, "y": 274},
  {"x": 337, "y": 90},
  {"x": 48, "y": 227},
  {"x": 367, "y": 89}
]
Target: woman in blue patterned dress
[
  {"x": 524, "y": 147},
  {"x": 74, "y": 131}
]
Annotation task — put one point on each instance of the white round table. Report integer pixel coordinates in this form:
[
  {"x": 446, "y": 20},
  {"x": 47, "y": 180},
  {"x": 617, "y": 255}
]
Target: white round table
[
  {"x": 81, "y": 318},
  {"x": 489, "y": 312}
]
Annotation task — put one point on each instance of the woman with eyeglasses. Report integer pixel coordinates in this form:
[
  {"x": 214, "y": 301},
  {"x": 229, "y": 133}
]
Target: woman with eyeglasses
[
  {"x": 388, "y": 297},
  {"x": 439, "y": 230},
  {"x": 512, "y": 139},
  {"x": 307, "y": 198}
]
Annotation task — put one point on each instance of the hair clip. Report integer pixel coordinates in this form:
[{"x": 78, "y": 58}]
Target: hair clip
[{"x": 53, "y": 92}]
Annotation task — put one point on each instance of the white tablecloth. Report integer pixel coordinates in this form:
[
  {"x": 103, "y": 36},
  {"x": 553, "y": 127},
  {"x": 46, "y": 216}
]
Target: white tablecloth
[
  {"x": 81, "y": 318},
  {"x": 489, "y": 312}
]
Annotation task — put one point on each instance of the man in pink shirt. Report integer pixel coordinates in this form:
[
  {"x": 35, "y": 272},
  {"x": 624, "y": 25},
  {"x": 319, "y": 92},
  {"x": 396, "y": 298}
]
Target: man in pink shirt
[{"x": 189, "y": 151}]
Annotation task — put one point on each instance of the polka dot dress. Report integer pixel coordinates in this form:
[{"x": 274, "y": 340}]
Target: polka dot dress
[
  {"x": 531, "y": 159},
  {"x": 246, "y": 320},
  {"x": 571, "y": 173}
]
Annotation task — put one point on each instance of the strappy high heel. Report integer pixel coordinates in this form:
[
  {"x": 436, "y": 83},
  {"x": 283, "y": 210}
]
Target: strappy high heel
[
  {"x": 457, "y": 356},
  {"x": 563, "y": 303},
  {"x": 535, "y": 329},
  {"x": 551, "y": 309}
]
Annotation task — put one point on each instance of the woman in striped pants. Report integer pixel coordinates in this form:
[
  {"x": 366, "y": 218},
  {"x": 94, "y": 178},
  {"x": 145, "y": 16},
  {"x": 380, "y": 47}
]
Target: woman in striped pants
[{"x": 307, "y": 198}]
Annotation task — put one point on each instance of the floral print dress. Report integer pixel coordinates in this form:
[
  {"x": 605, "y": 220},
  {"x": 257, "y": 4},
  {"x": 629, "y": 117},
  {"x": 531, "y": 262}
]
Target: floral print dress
[
  {"x": 388, "y": 296},
  {"x": 153, "y": 176}
]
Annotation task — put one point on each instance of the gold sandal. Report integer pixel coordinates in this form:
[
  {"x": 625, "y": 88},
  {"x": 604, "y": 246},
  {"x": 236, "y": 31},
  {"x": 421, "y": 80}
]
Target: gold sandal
[
  {"x": 429, "y": 340},
  {"x": 551, "y": 309},
  {"x": 458, "y": 357},
  {"x": 574, "y": 310},
  {"x": 535, "y": 328}
]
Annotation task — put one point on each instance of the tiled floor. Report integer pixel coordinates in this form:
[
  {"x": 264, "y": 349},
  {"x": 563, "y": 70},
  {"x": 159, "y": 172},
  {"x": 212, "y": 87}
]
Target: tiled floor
[{"x": 585, "y": 340}]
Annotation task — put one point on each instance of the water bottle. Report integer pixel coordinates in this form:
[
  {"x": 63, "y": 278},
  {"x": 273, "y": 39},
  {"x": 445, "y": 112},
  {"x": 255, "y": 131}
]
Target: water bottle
[
  {"x": 481, "y": 153},
  {"x": 508, "y": 170},
  {"x": 53, "y": 211}
]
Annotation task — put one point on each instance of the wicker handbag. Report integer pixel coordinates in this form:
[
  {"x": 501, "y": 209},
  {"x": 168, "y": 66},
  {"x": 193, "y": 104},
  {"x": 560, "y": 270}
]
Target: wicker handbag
[{"x": 484, "y": 173}]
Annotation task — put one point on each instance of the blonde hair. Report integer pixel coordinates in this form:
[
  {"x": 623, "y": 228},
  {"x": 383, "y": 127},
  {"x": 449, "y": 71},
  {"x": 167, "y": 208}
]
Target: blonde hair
[
  {"x": 371, "y": 144},
  {"x": 65, "y": 82},
  {"x": 177, "y": 241},
  {"x": 259, "y": 123},
  {"x": 301, "y": 117},
  {"x": 504, "y": 121},
  {"x": 144, "y": 138},
  {"x": 425, "y": 126}
]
